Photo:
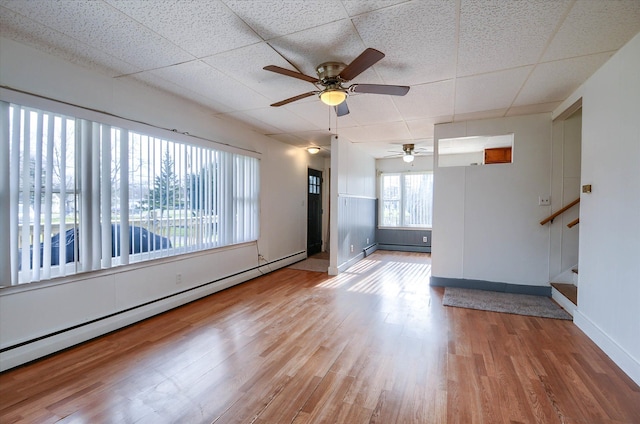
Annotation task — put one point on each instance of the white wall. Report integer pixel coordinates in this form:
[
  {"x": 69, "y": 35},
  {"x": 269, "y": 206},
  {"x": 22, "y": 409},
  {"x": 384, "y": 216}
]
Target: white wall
[
  {"x": 461, "y": 159},
  {"x": 356, "y": 169},
  {"x": 486, "y": 218},
  {"x": 39, "y": 309},
  {"x": 609, "y": 290},
  {"x": 353, "y": 176}
]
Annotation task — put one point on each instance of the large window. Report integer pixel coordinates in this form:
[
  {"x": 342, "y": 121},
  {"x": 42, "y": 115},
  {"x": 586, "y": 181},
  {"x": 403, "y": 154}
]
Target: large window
[
  {"x": 84, "y": 195},
  {"x": 406, "y": 200}
]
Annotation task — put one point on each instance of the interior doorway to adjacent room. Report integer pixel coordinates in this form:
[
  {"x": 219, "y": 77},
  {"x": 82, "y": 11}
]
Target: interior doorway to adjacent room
[{"x": 314, "y": 212}]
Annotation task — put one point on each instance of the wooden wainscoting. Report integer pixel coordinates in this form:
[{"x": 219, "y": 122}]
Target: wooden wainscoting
[{"x": 372, "y": 345}]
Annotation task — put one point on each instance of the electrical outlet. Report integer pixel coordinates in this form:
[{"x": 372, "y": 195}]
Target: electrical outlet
[
  {"x": 352, "y": 248},
  {"x": 178, "y": 279},
  {"x": 367, "y": 240},
  {"x": 544, "y": 200},
  {"x": 425, "y": 239}
]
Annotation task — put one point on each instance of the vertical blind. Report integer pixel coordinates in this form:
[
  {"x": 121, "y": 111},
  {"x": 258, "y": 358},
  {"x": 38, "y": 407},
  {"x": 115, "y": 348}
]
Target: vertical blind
[{"x": 84, "y": 195}]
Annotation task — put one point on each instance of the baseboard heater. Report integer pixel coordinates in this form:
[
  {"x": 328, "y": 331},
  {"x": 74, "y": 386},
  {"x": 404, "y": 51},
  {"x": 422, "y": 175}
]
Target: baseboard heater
[
  {"x": 157, "y": 300},
  {"x": 404, "y": 248},
  {"x": 370, "y": 249}
]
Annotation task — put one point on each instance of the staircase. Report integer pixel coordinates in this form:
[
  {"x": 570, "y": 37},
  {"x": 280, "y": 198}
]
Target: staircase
[{"x": 566, "y": 294}]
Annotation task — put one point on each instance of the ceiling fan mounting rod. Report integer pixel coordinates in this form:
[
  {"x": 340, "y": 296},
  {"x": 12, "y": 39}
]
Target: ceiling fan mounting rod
[{"x": 328, "y": 72}]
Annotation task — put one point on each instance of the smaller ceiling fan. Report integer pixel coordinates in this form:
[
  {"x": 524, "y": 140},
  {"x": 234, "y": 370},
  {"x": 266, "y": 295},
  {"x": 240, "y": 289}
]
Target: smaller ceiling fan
[
  {"x": 409, "y": 153},
  {"x": 331, "y": 79}
]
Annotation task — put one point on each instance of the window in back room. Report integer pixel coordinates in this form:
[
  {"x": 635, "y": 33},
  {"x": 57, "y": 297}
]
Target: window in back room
[{"x": 406, "y": 200}]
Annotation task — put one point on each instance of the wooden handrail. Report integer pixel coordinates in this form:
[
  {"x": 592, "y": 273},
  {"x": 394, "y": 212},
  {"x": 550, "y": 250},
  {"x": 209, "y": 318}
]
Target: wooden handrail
[
  {"x": 573, "y": 223},
  {"x": 551, "y": 217}
]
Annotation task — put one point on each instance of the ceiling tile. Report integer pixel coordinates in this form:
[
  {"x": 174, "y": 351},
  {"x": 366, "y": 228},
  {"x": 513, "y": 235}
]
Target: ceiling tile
[
  {"x": 256, "y": 124},
  {"x": 316, "y": 112},
  {"x": 594, "y": 27},
  {"x": 354, "y": 7},
  {"x": 485, "y": 114},
  {"x": 533, "y": 109},
  {"x": 292, "y": 139},
  {"x": 474, "y": 55},
  {"x": 245, "y": 66},
  {"x": 393, "y": 131},
  {"x": 197, "y": 75},
  {"x": 502, "y": 34},
  {"x": 496, "y": 90},
  {"x": 27, "y": 31},
  {"x": 274, "y": 19},
  {"x": 193, "y": 25},
  {"x": 367, "y": 109},
  {"x": 279, "y": 118},
  {"x": 554, "y": 81},
  {"x": 419, "y": 40},
  {"x": 157, "y": 82},
  {"x": 334, "y": 42},
  {"x": 104, "y": 28},
  {"x": 318, "y": 138},
  {"x": 383, "y": 149},
  {"x": 435, "y": 99},
  {"x": 423, "y": 128}
]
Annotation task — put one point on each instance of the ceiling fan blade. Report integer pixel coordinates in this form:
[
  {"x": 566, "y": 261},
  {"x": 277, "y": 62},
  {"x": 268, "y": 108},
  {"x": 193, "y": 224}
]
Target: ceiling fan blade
[
  {"x": 342, "y": 109},
  {"x": 289, "y": 73},
  {"x": 360, "y": 64},
  {"x": 294, "y": 98},
  {"x": 393, "y": 90}
]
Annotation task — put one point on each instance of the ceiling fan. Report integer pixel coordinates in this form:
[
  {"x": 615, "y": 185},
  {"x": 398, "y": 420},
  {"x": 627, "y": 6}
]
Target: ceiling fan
[
  {"x": 331, "y": 79},
  {"x": 409, "y": 152}
]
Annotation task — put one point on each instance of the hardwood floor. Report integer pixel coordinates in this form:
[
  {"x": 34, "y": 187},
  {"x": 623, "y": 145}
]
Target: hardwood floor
[{"x": 372, "y": 345}]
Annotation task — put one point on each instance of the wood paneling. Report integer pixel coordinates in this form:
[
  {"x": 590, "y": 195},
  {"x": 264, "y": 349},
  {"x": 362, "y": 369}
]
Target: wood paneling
[{"x": 372, "y": 345}]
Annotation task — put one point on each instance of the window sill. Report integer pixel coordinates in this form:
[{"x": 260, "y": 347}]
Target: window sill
[
  {"x": 80, "y": 276},
  {"x": 406, "y": 228}
]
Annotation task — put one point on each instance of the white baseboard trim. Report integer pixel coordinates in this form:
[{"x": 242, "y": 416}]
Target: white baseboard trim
[
  {"x": 346, "y": 265},
  {"x": 622, "y": 358},
  {"x": 565, "y": 303}
]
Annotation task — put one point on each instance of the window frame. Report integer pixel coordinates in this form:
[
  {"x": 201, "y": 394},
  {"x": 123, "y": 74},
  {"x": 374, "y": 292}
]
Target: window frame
[
  {"x": 401, "y": 200},
  {"x": 53, "y": 108}
]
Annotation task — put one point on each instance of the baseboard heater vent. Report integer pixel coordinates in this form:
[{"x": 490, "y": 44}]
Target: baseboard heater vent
[{"x": 370, "y": 249}]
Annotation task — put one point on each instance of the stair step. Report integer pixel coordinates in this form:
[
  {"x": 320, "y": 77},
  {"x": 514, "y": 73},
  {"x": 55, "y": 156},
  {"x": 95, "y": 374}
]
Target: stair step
[{"x": 568, "y": 290}]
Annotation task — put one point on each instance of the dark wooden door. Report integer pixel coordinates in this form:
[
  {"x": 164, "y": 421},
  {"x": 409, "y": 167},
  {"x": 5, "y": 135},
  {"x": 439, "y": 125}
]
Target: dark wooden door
[{"x": 314, "y": 212}]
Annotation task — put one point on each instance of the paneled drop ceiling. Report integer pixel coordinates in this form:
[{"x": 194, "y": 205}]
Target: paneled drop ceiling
[{"x": 465, "y": 59}]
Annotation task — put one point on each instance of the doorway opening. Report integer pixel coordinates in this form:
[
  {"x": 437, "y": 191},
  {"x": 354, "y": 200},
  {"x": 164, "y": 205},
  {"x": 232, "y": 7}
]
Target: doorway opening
[{"x": 314, "y": 212}]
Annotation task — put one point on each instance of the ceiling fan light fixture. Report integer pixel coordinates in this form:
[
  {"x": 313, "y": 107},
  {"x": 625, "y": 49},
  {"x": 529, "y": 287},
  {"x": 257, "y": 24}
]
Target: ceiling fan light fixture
[
  {"x": 333, "y": 97},
  {"x": 408, "y": 158},
  {"x": 313, "y": 150},
  {"x": 408, "y": 152}
]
